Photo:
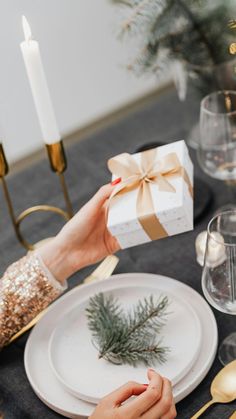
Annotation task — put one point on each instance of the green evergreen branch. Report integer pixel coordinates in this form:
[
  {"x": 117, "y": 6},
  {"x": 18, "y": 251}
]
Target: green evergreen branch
[
  {"x": 128, "y": 338},
  {"x": 197, "y": 27},
  {"x": 104, "y": 316},
  {"x": 166, "y": 23},
  {"x": 195, "y": 32},
  {"x": 142, "y": 15},
  {"x": 147, "y": 315},
  {"x": 136, "y": 354}
]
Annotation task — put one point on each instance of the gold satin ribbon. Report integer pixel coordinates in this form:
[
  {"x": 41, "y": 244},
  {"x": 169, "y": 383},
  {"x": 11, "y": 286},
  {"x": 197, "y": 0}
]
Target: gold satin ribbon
[{"x": 140, "y": 177}]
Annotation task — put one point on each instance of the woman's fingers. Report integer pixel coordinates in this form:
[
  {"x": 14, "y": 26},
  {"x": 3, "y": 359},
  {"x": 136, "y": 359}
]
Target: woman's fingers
[
  {"x": 171, "y": 414},
  {"x": 92, "y": 209},
  {"x": 153, "y": 401},
  {"x": 147, "y": 399},
  {"x": 164, "y": 408},
  {"x": 125, "y": 392},
  {"x": 101, "y": 196}
]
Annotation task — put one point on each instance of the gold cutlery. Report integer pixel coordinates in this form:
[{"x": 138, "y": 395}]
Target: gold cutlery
[
  {"x": 223, "y": 388},
  {"x": 103, "y": 271}
]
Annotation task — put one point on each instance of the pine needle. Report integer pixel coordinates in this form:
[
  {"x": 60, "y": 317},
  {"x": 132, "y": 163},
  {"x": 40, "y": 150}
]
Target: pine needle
[{"x": 130, "y": 338}]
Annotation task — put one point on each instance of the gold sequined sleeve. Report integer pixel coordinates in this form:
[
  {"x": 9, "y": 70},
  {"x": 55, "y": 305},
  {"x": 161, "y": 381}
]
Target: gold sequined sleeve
[{"x": 26, "y": 288}]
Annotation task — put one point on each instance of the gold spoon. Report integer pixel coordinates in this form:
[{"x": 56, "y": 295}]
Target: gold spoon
[{"x": 223, "y": 388}]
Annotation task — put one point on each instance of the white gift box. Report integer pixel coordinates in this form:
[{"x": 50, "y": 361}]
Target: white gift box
[{"x": 174, "y": 210}]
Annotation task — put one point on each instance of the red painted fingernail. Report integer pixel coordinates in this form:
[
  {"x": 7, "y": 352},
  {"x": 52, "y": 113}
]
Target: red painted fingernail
[
  {"x": 118, "y": 180},
  {"x": 145, "y": 385}
]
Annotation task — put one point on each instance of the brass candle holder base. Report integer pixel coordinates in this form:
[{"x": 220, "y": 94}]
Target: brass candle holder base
[{"x": 58, "y": 164}]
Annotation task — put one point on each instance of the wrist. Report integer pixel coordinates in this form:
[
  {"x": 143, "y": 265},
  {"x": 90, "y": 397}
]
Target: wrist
[{"x": 55, "y": 257}]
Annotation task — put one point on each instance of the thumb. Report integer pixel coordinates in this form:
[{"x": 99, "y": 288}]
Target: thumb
[{"x": 125, "y": 392}]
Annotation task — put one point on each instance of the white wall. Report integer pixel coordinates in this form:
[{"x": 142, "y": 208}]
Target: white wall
[{"x": 84, "y": 63}]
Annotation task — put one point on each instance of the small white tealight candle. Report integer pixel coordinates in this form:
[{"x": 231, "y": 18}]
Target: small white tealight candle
[
  {"x": 38, "y": 83},
  {"x": 200, "y": 247},
  {"x": 216, "y": 250}
]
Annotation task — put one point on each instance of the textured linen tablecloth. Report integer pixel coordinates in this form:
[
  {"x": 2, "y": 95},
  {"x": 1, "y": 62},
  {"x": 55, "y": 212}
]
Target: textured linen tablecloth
[{"x": 164, "y": 119}]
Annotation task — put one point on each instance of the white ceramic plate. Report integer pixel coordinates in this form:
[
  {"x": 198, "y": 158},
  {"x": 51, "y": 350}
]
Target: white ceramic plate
[
  {"x": 74, "y": 359},
  {"x": 49, "y": 389}
]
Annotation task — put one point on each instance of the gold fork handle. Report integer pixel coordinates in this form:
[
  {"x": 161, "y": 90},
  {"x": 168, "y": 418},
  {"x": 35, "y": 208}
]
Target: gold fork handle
[
  {"x": 203, "y": 408},
  {"x": 28, "y": 326}
]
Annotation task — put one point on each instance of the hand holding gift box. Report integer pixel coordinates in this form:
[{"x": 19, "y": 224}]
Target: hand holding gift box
[{"x": 155, "y": 198}]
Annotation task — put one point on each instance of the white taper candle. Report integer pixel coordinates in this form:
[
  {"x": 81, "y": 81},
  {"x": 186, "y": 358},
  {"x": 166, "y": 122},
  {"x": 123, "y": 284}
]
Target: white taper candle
[{"x": 38, "y": 83}]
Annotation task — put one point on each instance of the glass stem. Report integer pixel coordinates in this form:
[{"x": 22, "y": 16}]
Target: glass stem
[
  {"x": 231, "y": 188},
  {"x": 231, "y": 271}
]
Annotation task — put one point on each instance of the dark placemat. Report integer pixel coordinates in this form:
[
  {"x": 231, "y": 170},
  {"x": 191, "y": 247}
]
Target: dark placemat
[
  {"x": 203, "y": 198},
  {"x": 173, "y": 256}
]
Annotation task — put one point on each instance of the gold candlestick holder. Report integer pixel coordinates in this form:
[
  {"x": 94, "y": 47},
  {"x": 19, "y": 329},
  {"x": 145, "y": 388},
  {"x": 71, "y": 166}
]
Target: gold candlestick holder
[{"x": 57, "y": 159}]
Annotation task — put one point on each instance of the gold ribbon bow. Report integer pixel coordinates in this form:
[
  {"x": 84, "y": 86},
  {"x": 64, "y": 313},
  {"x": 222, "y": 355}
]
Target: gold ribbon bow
[{"x": 150, "y": 171}]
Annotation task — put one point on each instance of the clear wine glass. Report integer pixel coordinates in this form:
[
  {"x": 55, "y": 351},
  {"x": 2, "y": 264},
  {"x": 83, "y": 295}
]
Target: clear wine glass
[
  {"x": 217, "y": 147},
  {"x": 219, "y": 273}
]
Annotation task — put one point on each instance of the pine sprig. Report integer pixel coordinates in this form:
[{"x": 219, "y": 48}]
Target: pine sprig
[
  {"x": 128, "y": 338},
  {"x": 147, "y": 316},
  {"x": 104, "y": 319}
]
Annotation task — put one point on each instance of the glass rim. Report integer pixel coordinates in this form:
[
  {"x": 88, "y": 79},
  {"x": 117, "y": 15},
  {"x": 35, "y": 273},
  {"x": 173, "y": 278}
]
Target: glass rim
[
  {"x": 209, "y": 233},
  {"x": 217, "y": 92}
]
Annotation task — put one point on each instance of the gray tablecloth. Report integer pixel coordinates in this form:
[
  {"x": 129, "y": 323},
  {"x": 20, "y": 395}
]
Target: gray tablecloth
[{"x": 165, "y": 120}]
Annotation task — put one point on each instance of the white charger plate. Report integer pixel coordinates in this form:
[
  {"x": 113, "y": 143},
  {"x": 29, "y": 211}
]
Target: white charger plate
[
  {"x": 74, "y": 359},
  {"x": 49, "y": 389}
]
